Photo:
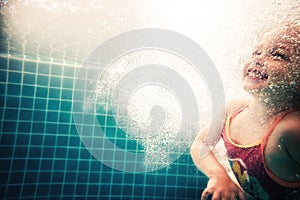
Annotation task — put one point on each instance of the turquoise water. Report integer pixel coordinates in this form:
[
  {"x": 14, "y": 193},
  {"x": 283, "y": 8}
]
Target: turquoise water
[{"x": 41, "y": 153}]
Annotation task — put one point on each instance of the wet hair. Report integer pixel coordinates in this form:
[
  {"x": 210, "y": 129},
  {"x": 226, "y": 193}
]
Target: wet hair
[{"x": 287, "y": 94}]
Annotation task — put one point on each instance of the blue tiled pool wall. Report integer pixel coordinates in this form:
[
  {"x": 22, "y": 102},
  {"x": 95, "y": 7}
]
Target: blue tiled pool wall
[{"x": 42, "y": 157}]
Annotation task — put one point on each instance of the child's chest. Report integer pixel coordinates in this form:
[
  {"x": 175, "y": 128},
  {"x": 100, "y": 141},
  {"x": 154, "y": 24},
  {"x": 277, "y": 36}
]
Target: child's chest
[{"x": 246, "y": 130}]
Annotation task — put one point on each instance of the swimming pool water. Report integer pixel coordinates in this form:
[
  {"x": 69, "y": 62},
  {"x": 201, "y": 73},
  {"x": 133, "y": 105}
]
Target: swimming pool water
[{"x": 42, "y": 156}]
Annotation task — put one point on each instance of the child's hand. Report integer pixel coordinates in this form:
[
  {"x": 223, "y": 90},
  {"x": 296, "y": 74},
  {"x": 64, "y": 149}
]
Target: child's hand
[{"x": 222, "y": 187}]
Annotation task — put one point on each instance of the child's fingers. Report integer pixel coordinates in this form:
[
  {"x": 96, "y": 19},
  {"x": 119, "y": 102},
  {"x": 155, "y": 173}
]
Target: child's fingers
[
  {"x": 206, "y": 195},
  {"x": 240, "y": 195}
]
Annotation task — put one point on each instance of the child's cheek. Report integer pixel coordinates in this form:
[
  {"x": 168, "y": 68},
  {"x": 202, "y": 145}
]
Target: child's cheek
[{"x": 278, "y": 76}]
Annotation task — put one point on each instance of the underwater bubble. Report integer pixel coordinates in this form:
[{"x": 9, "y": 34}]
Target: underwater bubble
[
  {"x": 152, "y": 113},
  {"x": 267, "y": 100}
]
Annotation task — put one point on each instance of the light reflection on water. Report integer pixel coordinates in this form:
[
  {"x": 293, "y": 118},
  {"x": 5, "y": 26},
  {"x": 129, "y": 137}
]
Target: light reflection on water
[{"x": 70, "y": 30}]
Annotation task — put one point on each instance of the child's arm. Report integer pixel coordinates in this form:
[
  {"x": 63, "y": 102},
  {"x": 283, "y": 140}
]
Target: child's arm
[
  {"x": 220, "y": 185},
  {"x": 291, "y": 138},
  {"x": 292, "y": 143},
  {"x": 283, "y": 149}
]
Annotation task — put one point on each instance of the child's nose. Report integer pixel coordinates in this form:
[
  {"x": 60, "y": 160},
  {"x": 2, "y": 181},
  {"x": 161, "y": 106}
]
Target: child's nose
[{"x": 258, "y": 63}]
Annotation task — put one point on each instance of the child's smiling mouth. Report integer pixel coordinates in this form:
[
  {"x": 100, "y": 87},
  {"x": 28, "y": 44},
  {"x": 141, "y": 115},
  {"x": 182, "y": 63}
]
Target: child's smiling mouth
[{"x": 254, "y": 73}]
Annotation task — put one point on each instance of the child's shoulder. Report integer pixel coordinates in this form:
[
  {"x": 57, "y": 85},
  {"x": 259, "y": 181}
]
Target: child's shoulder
[
  {"x": 284, "y": 161},
  {"x": 287, "y": 133},
  {"x": 291, "y": 121},
  {"x": 235, "y": 104},
  {"x": 288, "y": 129}
]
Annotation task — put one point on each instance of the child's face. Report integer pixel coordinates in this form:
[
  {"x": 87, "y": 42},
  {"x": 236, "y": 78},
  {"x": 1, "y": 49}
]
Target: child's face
[{"x": 275, "y": 63}]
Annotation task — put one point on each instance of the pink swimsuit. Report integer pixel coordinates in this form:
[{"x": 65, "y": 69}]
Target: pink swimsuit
[{"x": 247, "y": 162}]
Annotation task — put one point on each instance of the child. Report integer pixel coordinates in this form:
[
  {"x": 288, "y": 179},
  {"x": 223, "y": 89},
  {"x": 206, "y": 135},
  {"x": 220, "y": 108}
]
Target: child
[{"x": 261, "y": 135}]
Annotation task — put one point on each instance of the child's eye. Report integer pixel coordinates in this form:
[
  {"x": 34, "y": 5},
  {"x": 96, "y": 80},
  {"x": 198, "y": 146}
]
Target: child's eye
[
  {"x": 256, "y": 52},
  {"x": 278, "y": 55}
]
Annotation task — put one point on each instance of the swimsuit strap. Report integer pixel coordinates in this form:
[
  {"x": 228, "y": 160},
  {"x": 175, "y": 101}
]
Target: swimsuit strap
[
  {"x": 265, "y": 136},
  {"x": 242, "y": 108},
  {"x": 276, "y": 122},
  {"x": 228, "y": 125}
]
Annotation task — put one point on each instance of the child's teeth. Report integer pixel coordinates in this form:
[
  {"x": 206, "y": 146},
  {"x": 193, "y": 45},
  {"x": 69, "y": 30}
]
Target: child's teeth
[{"x": 254, "y": 73}]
